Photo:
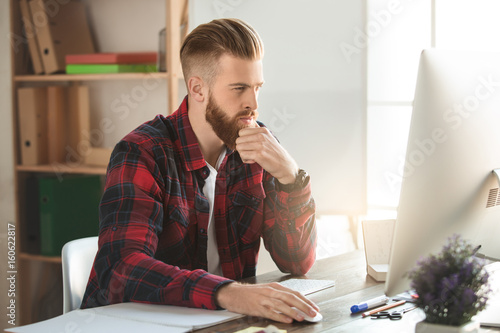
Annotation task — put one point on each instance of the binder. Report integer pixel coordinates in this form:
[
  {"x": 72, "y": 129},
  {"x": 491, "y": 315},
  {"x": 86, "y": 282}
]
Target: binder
[
  {"x": 32, "y": 103},
  {"x": 79, "y": 149},
  {"x": 56, "y": 124},
  {"x": 68, "y": 210},
  {"x": 78, "y": 125},
  {"x": 31, "y": 37},
  {"x": 62, "y": 29},
  {"x": 31, "y": 224},
  {"x": 113, "y": 58}
]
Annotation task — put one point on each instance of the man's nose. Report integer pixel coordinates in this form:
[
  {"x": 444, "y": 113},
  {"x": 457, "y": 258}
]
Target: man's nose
[{"x": 251, "y": 100}]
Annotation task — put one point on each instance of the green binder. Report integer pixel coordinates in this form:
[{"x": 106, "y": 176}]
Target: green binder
[{"x": 69, "y": 209}]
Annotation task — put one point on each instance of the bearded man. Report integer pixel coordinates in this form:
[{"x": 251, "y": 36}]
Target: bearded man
[{"x": 189, "y": 196}]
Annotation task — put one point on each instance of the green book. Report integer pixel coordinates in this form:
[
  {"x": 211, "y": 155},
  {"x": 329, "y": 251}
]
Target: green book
[
  {"x": 109, "y": 68},
  {"x": 69, "y": 209}
]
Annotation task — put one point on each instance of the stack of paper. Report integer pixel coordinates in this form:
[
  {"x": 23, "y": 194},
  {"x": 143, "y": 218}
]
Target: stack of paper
[{"x": 130, "y": 317}]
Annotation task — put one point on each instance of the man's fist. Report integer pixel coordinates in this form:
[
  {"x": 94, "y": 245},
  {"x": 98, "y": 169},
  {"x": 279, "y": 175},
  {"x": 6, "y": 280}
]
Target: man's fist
[{"x": 258, "y": 145}]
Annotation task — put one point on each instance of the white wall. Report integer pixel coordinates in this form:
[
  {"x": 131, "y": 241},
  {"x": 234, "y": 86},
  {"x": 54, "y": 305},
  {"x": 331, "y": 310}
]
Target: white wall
[
  {"x": 6, "y": 160},
  {"x": 314, "y": 94}
]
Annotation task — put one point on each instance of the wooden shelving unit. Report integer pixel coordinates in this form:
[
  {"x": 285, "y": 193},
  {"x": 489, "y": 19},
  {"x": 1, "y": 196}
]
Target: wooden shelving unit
[
  {"x": 36, "y": 257},
  {"x": 40, "y": 276}
]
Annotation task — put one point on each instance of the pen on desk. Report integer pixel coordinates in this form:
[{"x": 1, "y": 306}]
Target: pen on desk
[
  {"x": 383, "y": 308},
  {"x": 377, "y": 301}
]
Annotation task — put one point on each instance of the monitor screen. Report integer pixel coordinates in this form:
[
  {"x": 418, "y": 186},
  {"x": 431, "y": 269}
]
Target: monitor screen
[{"x": 449, "y": 186}]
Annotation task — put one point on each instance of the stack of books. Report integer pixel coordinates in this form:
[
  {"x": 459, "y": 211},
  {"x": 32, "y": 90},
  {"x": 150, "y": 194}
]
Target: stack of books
[{"x": 121, "y": 62}]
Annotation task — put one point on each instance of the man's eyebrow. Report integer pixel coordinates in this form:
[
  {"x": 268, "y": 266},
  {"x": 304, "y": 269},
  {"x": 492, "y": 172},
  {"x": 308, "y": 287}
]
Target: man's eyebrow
[
  {"x": 242, "y": 84},
  {"x": 239, "y": 84}
]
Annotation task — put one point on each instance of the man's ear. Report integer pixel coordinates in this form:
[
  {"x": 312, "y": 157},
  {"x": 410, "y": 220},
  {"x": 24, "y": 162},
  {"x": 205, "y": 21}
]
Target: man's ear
[{"x": 196, "y": 88}]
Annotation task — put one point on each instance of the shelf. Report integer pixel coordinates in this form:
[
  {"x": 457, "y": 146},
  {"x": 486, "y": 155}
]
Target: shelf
[
  {"x": 38, "y": 257},
  {"x": 172, "y": 14},
  {"x": 89, "y": 77},
  {"x": 84, "y": 169}
]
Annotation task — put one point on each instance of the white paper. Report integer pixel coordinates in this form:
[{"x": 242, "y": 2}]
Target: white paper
[
  {"x": 130, "y": 317},
  {"x": 167, "y": 314}
]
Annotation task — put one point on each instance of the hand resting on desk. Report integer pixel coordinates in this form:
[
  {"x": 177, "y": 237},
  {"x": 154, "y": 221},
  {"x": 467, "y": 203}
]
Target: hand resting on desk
[{"x": 270, "y": 300}]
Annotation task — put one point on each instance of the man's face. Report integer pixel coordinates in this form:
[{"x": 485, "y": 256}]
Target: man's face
[{"x": 232, "y": 103}]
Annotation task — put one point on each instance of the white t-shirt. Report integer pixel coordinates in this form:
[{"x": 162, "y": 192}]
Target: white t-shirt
[{"x": 213, "y": 258}]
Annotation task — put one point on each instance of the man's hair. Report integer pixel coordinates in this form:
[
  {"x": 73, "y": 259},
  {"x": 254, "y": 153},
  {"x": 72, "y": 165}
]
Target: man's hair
[{"x": 203, "y": 47}]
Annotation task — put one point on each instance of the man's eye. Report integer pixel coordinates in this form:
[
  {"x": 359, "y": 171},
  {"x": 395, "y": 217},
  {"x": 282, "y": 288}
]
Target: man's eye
[{"x": 240, "y": 88}]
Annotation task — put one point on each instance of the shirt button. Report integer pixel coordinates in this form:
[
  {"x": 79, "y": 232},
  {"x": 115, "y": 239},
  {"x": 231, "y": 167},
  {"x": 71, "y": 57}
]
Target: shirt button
[
  {"x": 114, "y": 228},
  {"x": 202, "y": 231}
]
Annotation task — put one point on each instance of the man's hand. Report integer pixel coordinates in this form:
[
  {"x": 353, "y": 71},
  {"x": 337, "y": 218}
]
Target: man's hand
[
  {"x": 272, "y": 301},
  {"x": 258, "y": 145}
]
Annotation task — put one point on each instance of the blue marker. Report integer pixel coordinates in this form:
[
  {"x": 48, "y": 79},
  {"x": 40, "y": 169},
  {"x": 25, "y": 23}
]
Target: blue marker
[{"x": 377, "y": 301}]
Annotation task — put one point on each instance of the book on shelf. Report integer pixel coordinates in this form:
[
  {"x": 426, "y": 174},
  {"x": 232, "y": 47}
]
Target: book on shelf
[
  {"x": 125, "y": 58},
  {"x": 132, "y": 317},
  {"x": 31, "y": 38},
  {"x": 60, "y": 30},
  {"x": 109, "y": 68}
]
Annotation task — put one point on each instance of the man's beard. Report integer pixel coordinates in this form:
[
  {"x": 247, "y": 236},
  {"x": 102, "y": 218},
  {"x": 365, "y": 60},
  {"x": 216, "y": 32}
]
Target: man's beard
[{"x": 226, "y": 128}]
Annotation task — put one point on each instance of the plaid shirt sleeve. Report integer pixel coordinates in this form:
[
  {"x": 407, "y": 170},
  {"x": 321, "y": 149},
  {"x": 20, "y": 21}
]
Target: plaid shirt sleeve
[
  {"x": 131, "y": 215},
  {"x": 290, "y": 228}
]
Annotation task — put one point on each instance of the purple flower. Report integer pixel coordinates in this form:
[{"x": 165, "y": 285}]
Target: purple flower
[
  {"x": 452, "y": 285},
  {"x": 468, "y": 296}
]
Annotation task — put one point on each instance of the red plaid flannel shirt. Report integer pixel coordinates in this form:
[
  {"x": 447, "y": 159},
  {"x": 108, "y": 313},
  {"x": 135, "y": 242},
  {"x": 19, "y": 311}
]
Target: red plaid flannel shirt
[{"x": 154, "y": 220}]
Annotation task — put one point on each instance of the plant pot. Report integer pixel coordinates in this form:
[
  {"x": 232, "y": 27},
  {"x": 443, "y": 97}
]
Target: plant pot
[{"x": 425, "y": 327}]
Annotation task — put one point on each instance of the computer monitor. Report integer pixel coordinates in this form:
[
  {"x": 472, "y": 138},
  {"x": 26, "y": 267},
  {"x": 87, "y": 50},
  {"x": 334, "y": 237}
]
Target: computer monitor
[{"x": 453, "y": 147}]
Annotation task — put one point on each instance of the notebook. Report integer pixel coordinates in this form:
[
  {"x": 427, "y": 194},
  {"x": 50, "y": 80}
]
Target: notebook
[{"x": 491, "y": 315}]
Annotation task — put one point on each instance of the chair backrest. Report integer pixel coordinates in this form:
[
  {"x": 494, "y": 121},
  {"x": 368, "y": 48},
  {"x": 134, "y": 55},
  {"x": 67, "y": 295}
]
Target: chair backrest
[{"x": 77, "y": 259}]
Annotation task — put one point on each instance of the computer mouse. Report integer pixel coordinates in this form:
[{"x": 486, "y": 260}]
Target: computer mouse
[{"x": 314, "y": 319}]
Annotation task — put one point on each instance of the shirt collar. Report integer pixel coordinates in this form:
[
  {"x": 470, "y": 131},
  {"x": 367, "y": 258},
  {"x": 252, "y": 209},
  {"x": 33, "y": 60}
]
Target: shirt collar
[{"x": 187, "y": 142}]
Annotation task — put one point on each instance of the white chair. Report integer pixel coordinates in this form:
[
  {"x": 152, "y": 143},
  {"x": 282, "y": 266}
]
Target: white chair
[{"x": 77, "y": 259}]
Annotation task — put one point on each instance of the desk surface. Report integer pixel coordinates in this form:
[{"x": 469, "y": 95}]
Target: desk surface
[{"x": 352, "y": 285}]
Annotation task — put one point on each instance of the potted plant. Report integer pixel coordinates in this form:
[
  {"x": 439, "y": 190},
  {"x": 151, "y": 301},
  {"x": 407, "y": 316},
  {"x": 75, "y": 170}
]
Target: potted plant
[{"x": 452, "y": 287}]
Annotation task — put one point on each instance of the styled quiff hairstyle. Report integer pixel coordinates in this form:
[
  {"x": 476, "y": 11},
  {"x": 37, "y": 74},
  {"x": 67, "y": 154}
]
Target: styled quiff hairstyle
[{"x": 203, "y": 47}]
